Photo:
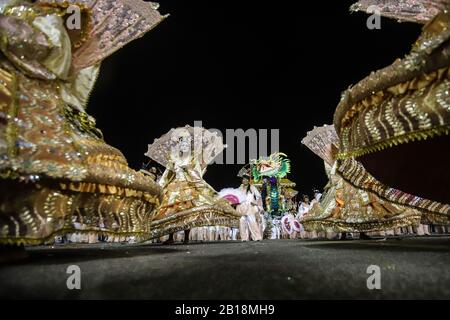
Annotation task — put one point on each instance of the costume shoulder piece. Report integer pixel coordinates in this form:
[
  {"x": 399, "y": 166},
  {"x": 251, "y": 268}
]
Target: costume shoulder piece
[
  {"x": 205, "y": 145},
  {"x": 419, "y": 11},
  {"x": 324, "y": 142},
  {"x": 113, "y": 25}
]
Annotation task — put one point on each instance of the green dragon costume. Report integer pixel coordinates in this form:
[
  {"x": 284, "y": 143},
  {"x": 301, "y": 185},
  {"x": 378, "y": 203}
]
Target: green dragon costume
[{"x": 269, "y": 173}]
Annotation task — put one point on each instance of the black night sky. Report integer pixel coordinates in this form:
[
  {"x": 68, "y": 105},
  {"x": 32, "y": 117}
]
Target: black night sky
[{"x": 248, "y": 64}]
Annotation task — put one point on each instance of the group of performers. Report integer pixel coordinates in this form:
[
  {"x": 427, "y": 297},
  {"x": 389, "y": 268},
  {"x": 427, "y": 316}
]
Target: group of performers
[{"x": 58, "y": 177}]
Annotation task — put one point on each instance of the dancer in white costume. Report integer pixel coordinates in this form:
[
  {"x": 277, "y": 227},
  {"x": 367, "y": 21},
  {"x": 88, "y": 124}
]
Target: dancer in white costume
[
  {"x": 250, "y": 209},
  {"x": 234, "y": 233},
  {"x": 276, "y": 229},
  {"x": 303, "y": 209},
  {"x": 288, "y": 230},
  {"x": 423, "y": 230},
  {"x": 290, "y": 226},
  {"x": 234, "y": 196},
  {"x": 317, "y": 197}
]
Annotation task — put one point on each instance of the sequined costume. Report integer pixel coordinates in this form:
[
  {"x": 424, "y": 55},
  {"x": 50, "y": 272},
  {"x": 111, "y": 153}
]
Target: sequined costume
[
  {"x": 188, "y": 201},
  {"x": 269, "y": 175},
  {"x": 56, "y": 170},
  {"x": 343, "y": 207},
  {"x": 394, "y": 124},
  {"x": 418, "y": 11}
]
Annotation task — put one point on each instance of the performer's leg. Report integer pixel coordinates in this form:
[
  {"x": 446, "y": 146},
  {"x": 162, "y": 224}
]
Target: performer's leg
[
  {"x": 420, "y": 230},
  {"x": 243, "y": 230},
  {"x": 170, "y": 240},
  {"x": 186, "y": 236},
  {"x": 255, "y": 230}
]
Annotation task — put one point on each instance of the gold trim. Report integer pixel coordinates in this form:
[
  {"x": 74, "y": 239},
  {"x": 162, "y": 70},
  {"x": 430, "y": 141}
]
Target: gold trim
[
  {"x": 341, "y": 226},
  {"x": 405, "y": 138}
]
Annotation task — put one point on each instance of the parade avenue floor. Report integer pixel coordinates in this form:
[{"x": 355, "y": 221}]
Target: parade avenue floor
[{"x": 410, "y": 268}]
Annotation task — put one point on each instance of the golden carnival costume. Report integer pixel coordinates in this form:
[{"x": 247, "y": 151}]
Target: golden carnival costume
[
  {"x": 394, "y": 124},
  {"x": 188, "y": 201},
  {"x": 55, "y": 168},
  {"x": 343, "y": 207}
]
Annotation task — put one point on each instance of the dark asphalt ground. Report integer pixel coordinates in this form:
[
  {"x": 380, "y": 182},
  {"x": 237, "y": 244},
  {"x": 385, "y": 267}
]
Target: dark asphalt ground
[{"x": 411, "y": 268}]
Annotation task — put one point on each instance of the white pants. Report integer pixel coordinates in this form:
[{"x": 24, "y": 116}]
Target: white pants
[{"x": 249, "y": 228}]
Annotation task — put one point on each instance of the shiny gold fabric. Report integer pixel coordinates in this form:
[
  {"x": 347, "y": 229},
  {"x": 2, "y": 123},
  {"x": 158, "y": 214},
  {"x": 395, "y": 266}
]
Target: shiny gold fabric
[
  {"x": 55, "y": 167},
  {"x": 402, "y": 103},
  {"x": 354, "y": 172},
  {"x": 188, "y": 201},
  {"x": 33, "y": 213},
  {"x": 406, "y": 101},
  {"x": 345, "y": 208},
  {"x": 218, "y": 214},
  {"x": 419, "y": 11}
]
